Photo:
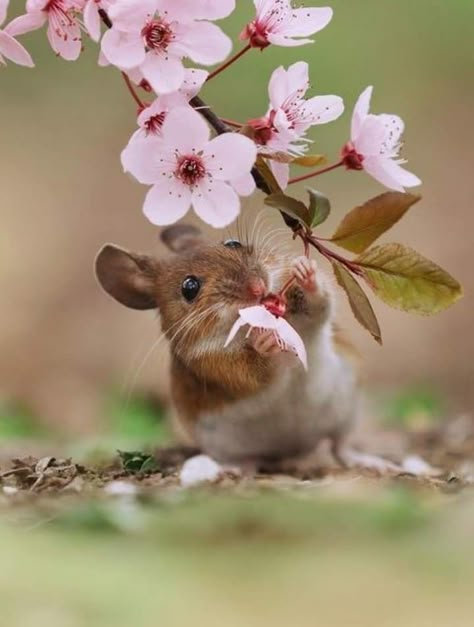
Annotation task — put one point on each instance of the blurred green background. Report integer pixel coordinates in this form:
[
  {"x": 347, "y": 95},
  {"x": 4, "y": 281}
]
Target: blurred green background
[{"x": 64, "y": 346}]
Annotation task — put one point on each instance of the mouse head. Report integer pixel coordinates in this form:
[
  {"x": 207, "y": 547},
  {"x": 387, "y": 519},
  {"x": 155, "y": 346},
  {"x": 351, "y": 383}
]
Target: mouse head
[{"x": 197, "y": 290}]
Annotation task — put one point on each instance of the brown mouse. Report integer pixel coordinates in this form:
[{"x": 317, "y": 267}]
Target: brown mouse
[{"x": 248, "y": 403}]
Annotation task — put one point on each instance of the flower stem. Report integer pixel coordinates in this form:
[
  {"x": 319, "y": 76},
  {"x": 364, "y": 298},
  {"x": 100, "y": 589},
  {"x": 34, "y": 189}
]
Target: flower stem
[
  {"x": 232, "y": 123},
  {"x": 134, "y": 94},
  {"x": 304, "y": 177},
  {"x": 232, "y": 60},
  {"x": 330, "y": 255}
]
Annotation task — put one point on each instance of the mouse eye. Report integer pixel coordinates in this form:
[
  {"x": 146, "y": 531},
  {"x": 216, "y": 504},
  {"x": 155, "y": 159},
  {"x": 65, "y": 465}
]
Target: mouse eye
[
  {"x": 190, "y": 288},
  {"x": 232, "y": 243}
]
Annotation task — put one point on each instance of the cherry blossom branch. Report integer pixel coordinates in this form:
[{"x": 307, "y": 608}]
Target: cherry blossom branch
[
  {"x": 232, "y": 60},
  {"x": 304, "y": 177},
  {"x": 131, "y": 89}
]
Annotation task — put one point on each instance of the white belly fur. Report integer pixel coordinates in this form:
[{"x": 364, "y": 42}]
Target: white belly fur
[{"x": 290, "y": 417}]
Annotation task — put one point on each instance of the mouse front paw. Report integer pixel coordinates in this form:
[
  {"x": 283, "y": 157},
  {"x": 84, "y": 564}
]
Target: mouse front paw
[
  {"x": 266, "y": 343},
  {"x": 304, "y": 271}
]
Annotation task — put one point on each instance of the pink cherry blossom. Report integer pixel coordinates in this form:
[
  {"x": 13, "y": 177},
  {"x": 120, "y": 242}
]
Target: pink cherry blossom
[
  {"x": 151, "y": 119},
  {"x": 10, "y": 48},
  {"x": 375, "y": 146},
  {"x": 259, "y": 317},
  {"x": 153, "y": 36},
  {"x": 277, "y": 22},
  {"x": 64, "y": 31},
  {"x": 289, "y": 116},
  {"x": 185, "y": 168}
]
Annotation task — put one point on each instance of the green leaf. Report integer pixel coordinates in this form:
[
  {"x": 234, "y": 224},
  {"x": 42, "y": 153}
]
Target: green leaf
[
  {"x": 406, "y": 280},
  {"x": 291, "y": 206},
  {"x": 309, "y": 161},
  {"x": 136, "y": 461},
  {"x": 364, "y": 224},
  {"x": 267, "y": 175},
  {"x": 360, "y": 305},
  {"x": 319, "y": 206}
]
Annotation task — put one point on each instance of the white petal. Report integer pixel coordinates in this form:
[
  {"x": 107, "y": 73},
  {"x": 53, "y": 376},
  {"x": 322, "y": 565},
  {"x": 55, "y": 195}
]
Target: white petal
[
  {"x": 26, "y": 23},
  {"x": 147, "y": 158},
  {"x": 281, "y": 172},
  {"x": 322, "y": 109},
  {"x": 390, "y": 173},
  {"x": 183, "y": 10},
  {"x": 244, "y": 185},
  {"x": 164, "y": 73},
  {"x": 229, "y": 156},
  {"x": 292, "y": 339},
  {"x": 371, "y": 137},
  {"x": 130, "y": 15},
  {"x": 285, "y": 83},
  {"x": 167, "y": 202},
  {"x": 92, "y": 19},
  {"x": 238, "y": 324},
  {"x": 194, "y": 79},
  {"x": 203, "y": 42},
  {"x": 185, "y": 130},
  {"x": 361, "y": 111},
  {"x": 394, "y": 127},
  {"x": 13, "y": 50},
  {"x": 216, "y": 203},
  {"x": 259, "y": 317},
  {"x": 123, "y": 49},
  {"x": 3, "y": 10},
  {"x": 199, "y": 469},
  {"x": 306, "y": 21},
  {"x": 279, "y": 39}
]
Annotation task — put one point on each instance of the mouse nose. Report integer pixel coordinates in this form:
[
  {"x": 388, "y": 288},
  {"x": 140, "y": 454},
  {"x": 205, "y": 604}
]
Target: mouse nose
[{"x": 256, "y": 287}]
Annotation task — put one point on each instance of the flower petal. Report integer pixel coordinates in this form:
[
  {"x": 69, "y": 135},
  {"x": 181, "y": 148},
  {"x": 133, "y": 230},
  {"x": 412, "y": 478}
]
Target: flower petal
[
  {"x": 361, "y": 111},
  {"x": 259, "y": 317},
  {"x": 390, "y": 173},
  {"x": 147, "y": 159},
  {"x": 322, "y": 109},
  {"x": 238, "y": 324},
  {"x": 281, "y": 171},
  {"x": 216, "y": 203},
  {"x": 394, "y": 127},
  {"x": 92, "y": 19},
  {"x": 66, "y": 43},
  {"x": 194, "y": 79},
  {"x": 26, "y": 23},
  {"x": 244, "y": 185},
  {"x": 167, "y": 201},
  {"x": 130, "y": 15},
  {"x": 306, "y": 21},
  {"x": 3, "y": 10},
  {"x": 292, "y": 339},
  {"x": 371, "y": 137},
  {"x": 164, "y": 73},
  {"x": 185, "y": 130},
  {"x": 13, "y": 50},
  {"x": 229, "y": 156},
  {"x": 278, "y": 39},
  {"x": 203, "y": 42},
  {"x": 202, "y": 10},
  {"x": 123, "y": 49}
]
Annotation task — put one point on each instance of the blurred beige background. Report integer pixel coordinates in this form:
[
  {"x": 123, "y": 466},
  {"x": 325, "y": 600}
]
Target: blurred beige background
[{"x": 62, "y": 195}]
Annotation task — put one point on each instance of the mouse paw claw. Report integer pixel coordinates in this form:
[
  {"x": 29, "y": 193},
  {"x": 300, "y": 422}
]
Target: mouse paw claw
[{"x": 304, "y": 270}]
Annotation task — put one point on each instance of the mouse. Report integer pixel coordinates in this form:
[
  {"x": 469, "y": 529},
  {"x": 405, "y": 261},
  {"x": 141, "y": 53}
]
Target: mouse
[{"x": 249, "y": 404}]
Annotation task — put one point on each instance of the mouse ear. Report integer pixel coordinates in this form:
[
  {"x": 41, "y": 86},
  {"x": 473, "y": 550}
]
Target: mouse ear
[
  {"x": 127, "y": 277},
  {"x": 181, "y": 237}
]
